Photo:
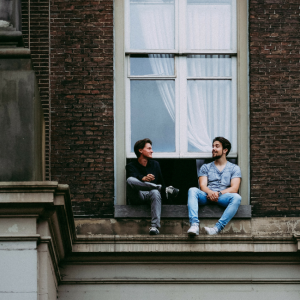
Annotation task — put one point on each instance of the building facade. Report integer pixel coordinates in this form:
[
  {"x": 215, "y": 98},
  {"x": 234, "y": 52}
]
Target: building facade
[{"x": 99, "y": 67}]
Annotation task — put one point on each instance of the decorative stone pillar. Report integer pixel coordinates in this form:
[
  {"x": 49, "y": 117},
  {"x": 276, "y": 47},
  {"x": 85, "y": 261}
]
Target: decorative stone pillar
[{"x": 36, "y": 233}]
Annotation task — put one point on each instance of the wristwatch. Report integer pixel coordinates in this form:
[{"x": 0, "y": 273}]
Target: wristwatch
[{"x": 220, "y": 194}]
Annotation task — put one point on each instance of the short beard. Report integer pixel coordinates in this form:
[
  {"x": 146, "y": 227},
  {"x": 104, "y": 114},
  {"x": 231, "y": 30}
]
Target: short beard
[{"x": 216, "y": 157}]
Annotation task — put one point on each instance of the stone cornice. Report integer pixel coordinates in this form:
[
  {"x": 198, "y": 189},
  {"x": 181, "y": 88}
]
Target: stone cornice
[{"x": 50, "y": 202}]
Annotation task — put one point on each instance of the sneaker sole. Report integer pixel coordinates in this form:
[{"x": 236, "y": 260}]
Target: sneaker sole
[
  {"x": 153, "y": 233},
  {"x": 192, "y": 233}
]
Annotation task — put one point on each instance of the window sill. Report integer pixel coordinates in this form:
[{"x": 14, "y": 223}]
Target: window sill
[{"x": 178, "y": 211}]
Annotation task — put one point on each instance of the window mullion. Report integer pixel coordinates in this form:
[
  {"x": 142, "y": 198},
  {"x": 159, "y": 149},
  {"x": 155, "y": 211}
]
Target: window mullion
[
  {"x": 182, "y": 25},
  {"x": 183, "y": 105},
  {"x": 234, "y": 26},
  {"x": 128, "y": 109},
  {"x": 177, "y": 105},
  {"x": 127, "y": 25},
  {"x": 177, "y": 26}
]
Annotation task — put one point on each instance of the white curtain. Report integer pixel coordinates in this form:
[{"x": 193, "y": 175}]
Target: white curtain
[
  {"x": 152, "y": 25},
  {"x": 210, "y": 112},
  {"x": 162, "y": 65},
  {"x": 208, "y": 25},
  {"x": 209, "y": 102},
  {"x": 210, "y": 105},
  {"x": 157, "y": 27}
]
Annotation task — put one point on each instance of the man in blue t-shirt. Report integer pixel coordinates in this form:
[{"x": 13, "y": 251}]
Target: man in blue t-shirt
[{"x": 219, "y": 183}]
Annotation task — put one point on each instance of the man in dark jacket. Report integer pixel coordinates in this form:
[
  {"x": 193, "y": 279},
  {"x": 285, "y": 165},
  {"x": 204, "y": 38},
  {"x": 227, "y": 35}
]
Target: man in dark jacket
[{"x": 145, "y": 183}]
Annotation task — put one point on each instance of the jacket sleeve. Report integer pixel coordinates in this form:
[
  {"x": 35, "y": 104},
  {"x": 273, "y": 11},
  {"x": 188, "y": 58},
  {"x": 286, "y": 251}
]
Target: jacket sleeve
[{"x": 132, "y": 171}]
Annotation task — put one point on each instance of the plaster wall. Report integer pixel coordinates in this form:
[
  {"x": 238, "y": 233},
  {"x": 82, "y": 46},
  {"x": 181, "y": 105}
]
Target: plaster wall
[
  {"x": 47, "y": 283},
  {"x": 181, "y": 281},
  {"x": 181, "y": 291},
  {"x": 18, "y": 265}
]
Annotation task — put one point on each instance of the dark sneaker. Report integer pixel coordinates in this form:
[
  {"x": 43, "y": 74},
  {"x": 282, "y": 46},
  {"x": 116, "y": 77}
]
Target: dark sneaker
[
  {"x": 153, "y": 231},
  {"x": 171, "y": 191}
]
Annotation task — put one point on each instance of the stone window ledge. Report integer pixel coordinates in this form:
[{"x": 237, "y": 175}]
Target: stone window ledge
[{"x": 178, "y": 211}]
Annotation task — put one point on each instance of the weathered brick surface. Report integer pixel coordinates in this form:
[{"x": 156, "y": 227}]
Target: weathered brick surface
[
  {"x": 82, "y": 100},
  {"x": 274, "y": 107},
  {"x": 35, "y": 30},
  {"x": 82, "y": 103}
]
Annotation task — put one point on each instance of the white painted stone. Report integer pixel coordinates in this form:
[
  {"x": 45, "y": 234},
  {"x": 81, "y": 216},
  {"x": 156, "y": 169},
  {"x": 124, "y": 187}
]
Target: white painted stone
[
  {"x": 180, "y": 291},
  {"x": 18, "y": 269},
  {"x": 26, "y": 197},
  {"x": 17, "y": 226},
  {"x": 184, "y": 271}
]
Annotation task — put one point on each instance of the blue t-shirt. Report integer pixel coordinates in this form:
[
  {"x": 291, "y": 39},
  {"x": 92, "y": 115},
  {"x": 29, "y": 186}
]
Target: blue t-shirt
[{"x": 219, "y": 181}]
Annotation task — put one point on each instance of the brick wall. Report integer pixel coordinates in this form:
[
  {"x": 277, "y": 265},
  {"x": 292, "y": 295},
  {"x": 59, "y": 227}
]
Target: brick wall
[
  {"x": 35, "y": 30},
  {"x": 82, "y": 103},
  {"x": 82, "y": 100},
  {"x": 274, "y": 107}
]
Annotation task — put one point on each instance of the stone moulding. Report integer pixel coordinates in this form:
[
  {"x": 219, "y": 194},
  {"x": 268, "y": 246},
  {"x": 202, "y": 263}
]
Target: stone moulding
[
  {"x": 48, "y": 205},
  {"x": 178, "y": 211}
]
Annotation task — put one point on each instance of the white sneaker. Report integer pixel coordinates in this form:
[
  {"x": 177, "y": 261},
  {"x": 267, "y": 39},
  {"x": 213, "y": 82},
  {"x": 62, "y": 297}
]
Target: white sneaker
[
  {"x": 211, "y": 231},
  {"x": 194, "y": 230},
  {"x": 171, "y": 191}
]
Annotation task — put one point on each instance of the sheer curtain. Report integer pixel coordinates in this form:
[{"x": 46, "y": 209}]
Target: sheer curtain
[
  {"x": 208, "y": 24},
  {"x": 210, "y": 107},
  {"x": 210, "y": 104},
  {"x": 210, "y": 113},
  {"x": 157, "y": 24}
]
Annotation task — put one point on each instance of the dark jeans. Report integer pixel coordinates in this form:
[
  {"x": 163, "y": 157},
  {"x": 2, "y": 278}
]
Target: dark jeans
[{"x": 139, "y": 192}]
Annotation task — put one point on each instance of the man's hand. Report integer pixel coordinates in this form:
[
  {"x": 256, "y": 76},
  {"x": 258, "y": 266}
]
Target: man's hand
[
  {"x": 148, "y": 178},
  {"x": 213, "y": 196}
]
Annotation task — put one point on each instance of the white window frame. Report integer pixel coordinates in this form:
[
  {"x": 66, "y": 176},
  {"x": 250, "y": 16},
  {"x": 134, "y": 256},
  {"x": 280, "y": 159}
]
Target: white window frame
[
  {"x": 180, "y": 78},
  {"x": 121, "y": 79}
]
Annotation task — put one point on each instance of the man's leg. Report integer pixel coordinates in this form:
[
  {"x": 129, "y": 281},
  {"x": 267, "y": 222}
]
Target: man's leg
[
  {"x": 232, "y": 202},
  {"x": 144, "y": 192},
  {"x": 154, "y": 197},
  {"x": 135, "y": 188},
  {"x": 138, "y": 185},
  {"x": 196, "y": 197}
]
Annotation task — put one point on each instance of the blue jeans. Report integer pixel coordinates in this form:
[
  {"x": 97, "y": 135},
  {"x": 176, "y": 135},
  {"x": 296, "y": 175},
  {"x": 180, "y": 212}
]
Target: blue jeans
[{"x": 197, "y": 197}]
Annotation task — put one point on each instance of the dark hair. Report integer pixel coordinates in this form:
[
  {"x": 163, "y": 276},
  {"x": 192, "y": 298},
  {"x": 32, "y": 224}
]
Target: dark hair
[
  {"x": 140, "y": 145},
  {"x": 225, "y": 143}
]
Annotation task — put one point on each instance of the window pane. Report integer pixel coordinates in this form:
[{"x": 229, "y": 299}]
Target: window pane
[
  {"x": 153, "y": 113},
  {"x": 211, "y": 112},
  {"x": 209, "y": 66},
  {"x": 152, "y": 64},
  {"x": 152, "y": 24},
  {"x": 208, "y": 24}
]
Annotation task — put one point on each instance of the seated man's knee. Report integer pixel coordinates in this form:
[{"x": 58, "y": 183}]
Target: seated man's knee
[
  {"x": 155, "y": 194},
  {"x": 193, "y": 191},
  {"x": 237, "y": 198},
  {"x": 131, "y": 180}
]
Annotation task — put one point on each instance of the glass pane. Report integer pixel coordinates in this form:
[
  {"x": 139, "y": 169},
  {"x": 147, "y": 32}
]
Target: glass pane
[
  {"x": 211, "y": 112},
  {"x": 152, "y": 24},
  {"x": 208, "y": 24},
  {"x": 152, "y": 64},
  {"x": 153, "y": 113},
  {"x": 209, "y": 66}
]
